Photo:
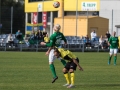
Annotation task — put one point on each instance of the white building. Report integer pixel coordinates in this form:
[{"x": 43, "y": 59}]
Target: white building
[{"x": 111, "y": 9}]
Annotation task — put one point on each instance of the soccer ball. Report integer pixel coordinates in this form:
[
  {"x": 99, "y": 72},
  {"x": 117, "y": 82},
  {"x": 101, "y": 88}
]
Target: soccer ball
[{"x": 56, "y": 4}]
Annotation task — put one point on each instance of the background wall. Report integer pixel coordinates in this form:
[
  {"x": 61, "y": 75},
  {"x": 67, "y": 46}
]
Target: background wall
[
  {"x": 84, "y": 26},
  {"x": 99, "y": 24},
  {"x": 70, "y": 26},
  {"x": 106, "y": 7}
]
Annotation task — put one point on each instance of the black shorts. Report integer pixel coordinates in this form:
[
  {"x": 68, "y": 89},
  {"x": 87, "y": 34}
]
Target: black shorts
[{"x": 71, "y": 65}]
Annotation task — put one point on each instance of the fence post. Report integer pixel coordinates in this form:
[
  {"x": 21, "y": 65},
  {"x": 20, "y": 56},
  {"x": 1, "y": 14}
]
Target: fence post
[
  {"x": 68, "y": 45},
  {"x": 5, "y": 46},
  {"x": 112, "y": 20},
  {"x": 83, "y": 46},
  {"x": 20, "y": 46},
  {"x": 37, "y": 47},
  {"x": 98, "y": 47}
]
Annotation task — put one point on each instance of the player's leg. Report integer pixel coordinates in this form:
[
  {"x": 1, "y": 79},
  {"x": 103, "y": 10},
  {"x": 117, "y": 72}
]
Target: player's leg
[
  {"x": 73, "y": 67},
  {"x": 72, "y": 77},
  {"x": 62, "y": 61},
  {"x": 51, "y": 64},
  {"x": 115, "y": 56},
  {"x": 110, "y": 56},
  {"x": 66, "y": 75}
]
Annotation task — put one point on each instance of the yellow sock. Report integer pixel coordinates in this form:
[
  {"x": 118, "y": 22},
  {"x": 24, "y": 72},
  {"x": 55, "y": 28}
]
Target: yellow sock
[
  {"x": 72, "y": 78},
  {"x": 67, "y": 78}
]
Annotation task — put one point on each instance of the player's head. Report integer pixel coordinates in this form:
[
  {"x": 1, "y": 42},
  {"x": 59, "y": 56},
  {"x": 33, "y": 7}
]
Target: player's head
[
  {"x": 56, "y": 53},
  {"x": 57, "y": 28},
  {"x": 114, "y": 33}
]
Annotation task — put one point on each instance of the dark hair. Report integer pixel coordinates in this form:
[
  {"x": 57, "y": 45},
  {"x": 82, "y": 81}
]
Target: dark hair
[{"x": 56, "y": 50}]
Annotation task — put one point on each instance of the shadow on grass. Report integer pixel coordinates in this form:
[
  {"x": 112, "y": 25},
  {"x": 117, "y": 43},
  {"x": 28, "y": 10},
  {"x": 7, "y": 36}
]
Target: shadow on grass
[{"x": 98, "y": 85}]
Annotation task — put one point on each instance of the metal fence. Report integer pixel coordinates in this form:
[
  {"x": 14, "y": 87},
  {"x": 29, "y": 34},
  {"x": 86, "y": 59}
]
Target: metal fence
[
  {"x": 81, "y": 47},
  {"x": 12, "y": 19}
]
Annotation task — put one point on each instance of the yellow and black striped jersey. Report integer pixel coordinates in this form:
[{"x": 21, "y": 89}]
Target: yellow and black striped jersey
[{"x": 66, "y": 54}]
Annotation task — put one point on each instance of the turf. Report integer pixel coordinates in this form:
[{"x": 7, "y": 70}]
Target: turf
[{"x": 30, "y": 71}]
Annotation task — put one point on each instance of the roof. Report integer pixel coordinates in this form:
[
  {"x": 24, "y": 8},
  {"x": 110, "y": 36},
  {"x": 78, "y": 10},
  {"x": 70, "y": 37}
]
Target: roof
[
  {"x": 118, "y": 26},
  {"x": 80, "y": 17}
]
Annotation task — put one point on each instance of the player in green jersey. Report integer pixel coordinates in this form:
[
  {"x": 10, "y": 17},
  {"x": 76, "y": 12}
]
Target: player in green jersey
[
  {"x": 114, "y": 44},
  {"x": 55, "y": 40},
  {"x": 71, "y": 65}
]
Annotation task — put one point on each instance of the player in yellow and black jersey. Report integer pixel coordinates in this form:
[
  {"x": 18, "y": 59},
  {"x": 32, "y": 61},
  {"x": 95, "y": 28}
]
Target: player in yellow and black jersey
[{"x": 70, "y": 66}]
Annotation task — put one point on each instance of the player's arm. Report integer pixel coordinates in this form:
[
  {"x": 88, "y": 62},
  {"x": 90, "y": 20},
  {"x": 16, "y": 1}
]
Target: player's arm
[
  {"x": 52, "y": 40},
  {"x": 49, "y": 44},
  {"x": 63, "y": 38},
  {"x": 75, "y": 61},
  {"x": 109, "y": 41},
  {"x": 118, "y": 42},
  {"x": 48, "y": 51}
]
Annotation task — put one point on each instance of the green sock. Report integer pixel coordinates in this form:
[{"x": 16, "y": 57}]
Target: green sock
[
  {"x": 63, "y": 62},
  {"x": 115, "y": 58},
  {"x": 52, "y": 68},
  {"x": 109, "y": 60}
]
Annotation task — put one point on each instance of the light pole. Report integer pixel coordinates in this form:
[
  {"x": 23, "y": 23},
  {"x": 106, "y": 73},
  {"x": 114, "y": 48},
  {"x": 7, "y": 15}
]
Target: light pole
[
  {"x": 76, "y": 16},
  {"x": 11, "y": 18},
  {"x": 42, "y": 12},
  {"x": 0, "y": 13},
  {"x": 63, "y": 16}
]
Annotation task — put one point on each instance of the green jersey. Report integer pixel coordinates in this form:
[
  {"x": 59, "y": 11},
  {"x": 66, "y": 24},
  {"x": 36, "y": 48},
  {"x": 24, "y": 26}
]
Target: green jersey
[
  {"x": 114, "y": 42},
  {"x": 55, "y": 39}
]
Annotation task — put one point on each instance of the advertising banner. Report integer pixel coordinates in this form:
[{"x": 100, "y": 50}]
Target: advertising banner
[
  {"x": 34, "y": 18},
  {"x": 44, "y": 19},
  {"x": 89, "y": 6}
]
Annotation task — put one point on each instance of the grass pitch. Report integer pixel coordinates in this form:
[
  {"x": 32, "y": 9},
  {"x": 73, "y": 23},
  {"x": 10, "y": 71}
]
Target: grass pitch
[{"x": 30, "y": 71}]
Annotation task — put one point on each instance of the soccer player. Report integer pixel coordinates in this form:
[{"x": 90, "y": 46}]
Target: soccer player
[
  {"x": 114, "y": 44},
  {"x": 70, "y": 66},
  {"x": 55, "y": 40}
]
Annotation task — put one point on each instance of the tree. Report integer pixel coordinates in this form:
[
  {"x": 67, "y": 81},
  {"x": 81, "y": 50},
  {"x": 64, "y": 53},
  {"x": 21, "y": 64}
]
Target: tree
[{"x": 18, "y": 16}]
